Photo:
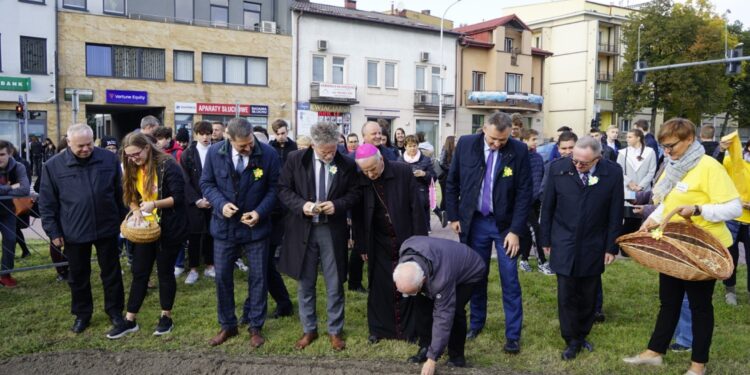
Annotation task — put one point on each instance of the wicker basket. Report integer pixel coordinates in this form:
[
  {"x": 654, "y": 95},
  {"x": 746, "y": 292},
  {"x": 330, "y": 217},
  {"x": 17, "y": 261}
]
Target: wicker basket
[
  {"x": 140, "y": 235},
  {"x": 684, "y": 251}
]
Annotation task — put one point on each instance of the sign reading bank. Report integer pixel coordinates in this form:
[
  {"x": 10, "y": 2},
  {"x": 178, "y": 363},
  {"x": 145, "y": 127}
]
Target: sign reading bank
[{"x": 127, "y": 97}]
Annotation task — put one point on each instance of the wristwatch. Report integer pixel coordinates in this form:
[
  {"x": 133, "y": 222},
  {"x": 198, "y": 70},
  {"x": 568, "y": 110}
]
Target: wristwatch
[{"x": 697, "y": 210}]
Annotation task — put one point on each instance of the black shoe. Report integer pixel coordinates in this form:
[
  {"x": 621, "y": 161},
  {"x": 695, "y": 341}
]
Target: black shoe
[
  {"x": 444, "y": 219},
  {"x": 570, "y": 352},
  {"x": 358, "y": 289},
  {"x": 281, "y": 313},
  {"x": 61, "y": 277},
  {"x": 473, "y": 333},
  {"x": 25, "y": 255},
  {"x": 420, "y": 357},
  {"x": 588, "y": 346},
  {"x": 164, "y": 326},
  {"x": 122, "y": 329},
  {"x": 80, "y": 324},
  {"x": 373, "y": 339},
  {"x": 599, "y": 317},
  {"x": 512, "y": 347},
  {"x": 459, "y": 361}
]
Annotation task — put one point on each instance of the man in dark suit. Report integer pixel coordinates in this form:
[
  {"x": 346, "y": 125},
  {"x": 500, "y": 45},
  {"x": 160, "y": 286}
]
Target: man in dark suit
[
  {"x": 488, "y": 198},
  {"x": 581, "y": 218},
  {"x": 318, "y": 186}
]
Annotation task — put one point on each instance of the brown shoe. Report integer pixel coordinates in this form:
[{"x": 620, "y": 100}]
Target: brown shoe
[
  {"x": 256, "y": 339},
  {"x": 337, "y": 343},
  {"x": 306, "y": 340},
  {"x": 223, "y": 336}
]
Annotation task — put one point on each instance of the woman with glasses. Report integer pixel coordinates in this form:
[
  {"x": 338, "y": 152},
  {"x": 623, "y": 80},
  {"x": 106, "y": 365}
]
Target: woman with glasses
[
  {"x": 154, "y": 189},
  {"x": 701, "y": 190}
]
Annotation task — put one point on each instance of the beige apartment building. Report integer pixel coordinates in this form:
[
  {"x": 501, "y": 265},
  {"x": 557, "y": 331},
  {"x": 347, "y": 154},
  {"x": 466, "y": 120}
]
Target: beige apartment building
[
  {"x": 499, "y": 70},
  {"x": 586, "y": 38}
]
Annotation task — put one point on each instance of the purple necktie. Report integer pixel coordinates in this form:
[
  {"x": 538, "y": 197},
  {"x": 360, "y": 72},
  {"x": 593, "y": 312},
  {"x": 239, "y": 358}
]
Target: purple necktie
[{"x": 487, "y": 188}]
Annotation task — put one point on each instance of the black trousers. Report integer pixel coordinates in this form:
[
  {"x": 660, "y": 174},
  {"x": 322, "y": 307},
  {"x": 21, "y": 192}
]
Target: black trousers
[
  {"x": 576, "y": 299},
  {"x": 200, "y": 244},
  {"x": 699, "y": 293},
  {"x": 457, "y": 340},
  {"x": 526, "y": 240},
  {"x": 144, "y": 256},
  {"x": 79, "y": 276},
  {"x": 276, "y": 287},
  {"x": 356, "y": 264},
  {"x": 743, "y": 236}
]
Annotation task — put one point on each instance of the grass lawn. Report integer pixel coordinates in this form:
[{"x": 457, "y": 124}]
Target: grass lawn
[{"x": 35, "y": 318}]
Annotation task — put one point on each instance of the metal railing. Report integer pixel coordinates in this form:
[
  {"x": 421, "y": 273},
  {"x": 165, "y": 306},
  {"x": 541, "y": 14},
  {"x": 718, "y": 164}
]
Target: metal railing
[
  {"x": 317, "y": 97},
  {"x": 510, "y": 103},
  {"x": 609, "y": 48},
  {"x": 202, "y": 23},
  {"x": 604, "y": 77},
  {"x": 427, "y": 100}
]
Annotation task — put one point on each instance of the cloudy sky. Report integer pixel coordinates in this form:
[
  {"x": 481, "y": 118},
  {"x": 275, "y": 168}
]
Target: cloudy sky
[{"x": 473, "y": 11}]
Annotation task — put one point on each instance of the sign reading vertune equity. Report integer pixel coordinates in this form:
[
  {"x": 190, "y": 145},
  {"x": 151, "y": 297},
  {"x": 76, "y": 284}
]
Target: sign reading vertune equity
[{"x": 127, "y": 97}]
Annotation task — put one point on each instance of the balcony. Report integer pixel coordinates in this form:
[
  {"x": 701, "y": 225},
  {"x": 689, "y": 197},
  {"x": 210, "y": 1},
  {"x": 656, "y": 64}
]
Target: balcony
[
  {"x": 331, "y": 93},
  {"x": 604, "y": 77},
  {"x": 609, "y": 49},
  {"x": 515, "y": 101},
  {"x": 429, "y": 101}
]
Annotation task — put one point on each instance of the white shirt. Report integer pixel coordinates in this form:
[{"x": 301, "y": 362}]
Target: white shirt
[
  {"x": 202, "y": 151},
  {"x": 492, "y": 176},
  {"x": 235, "y": 158},
  {"x": 317, "y": 174}
]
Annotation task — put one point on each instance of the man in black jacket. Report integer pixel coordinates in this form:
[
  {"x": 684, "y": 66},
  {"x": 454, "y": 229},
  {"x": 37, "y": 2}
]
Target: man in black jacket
[
  {"x": 13, "y": 183},
  {"x": 581, "y": 218},
  {"x": 81, "y": 205}
]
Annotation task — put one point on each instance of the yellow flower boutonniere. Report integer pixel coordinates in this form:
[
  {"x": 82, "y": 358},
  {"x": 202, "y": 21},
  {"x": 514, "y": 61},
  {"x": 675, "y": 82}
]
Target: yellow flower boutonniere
[
  {"x": 258, "y": 173},
  {"x": 657, "y": 234},
  {"x": 593, "y": 180},
  {"x": 507, "y": 172},
  {"x": 333, "y": 170}
]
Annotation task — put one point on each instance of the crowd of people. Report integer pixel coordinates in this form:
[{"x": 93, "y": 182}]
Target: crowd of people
[{"x": 328, "y": 201}]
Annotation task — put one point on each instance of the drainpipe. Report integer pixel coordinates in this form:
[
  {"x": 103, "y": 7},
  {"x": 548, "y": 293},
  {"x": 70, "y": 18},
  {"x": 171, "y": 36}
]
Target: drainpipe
[
  {"x": 456, "y": 101},
  {"x": 296, "y": 70},
  {"x": 57, "y": 73}
]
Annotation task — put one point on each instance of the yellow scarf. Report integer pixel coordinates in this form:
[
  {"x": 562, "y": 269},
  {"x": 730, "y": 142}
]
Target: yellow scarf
[{"x": 147, "y": 194}]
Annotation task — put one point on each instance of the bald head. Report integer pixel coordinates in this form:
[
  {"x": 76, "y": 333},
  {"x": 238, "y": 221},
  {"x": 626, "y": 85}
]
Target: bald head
[
  {"x": 408, "y": 277},
  {"x": 372, "y": 133}
]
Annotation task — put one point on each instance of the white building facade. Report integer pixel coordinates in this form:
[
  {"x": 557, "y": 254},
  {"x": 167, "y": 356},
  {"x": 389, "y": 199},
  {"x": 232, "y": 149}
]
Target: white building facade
[
  {"x": 352, "y": 66},
  {"x": 27, "y": 66}
]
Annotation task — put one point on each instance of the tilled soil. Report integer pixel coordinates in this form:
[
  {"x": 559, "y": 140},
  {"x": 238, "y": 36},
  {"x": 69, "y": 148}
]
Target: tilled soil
[{"x": 138, "y": 362}]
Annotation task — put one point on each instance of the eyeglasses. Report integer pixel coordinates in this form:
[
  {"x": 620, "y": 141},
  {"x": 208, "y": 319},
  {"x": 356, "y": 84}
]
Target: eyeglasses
[
  {"x": 584, "y": 163},
  {"x": 669, "y": 147},
  {"x": 135, "y": 155}
]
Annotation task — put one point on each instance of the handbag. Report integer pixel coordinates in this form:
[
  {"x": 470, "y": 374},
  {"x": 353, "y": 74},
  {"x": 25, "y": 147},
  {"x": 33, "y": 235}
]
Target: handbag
[{"x": 23, "y": 205}]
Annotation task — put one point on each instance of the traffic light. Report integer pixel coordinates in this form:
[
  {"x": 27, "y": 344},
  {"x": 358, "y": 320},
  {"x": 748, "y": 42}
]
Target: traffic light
[
  {"x": 734, "y": 66},
  {"x": 19, "y": 110},
  {"x": 639, "y": 77}
]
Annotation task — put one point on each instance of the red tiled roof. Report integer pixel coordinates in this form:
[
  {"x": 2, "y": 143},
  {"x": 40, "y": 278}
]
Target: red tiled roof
[
  {"x": 490, "y": 25},
  {"x": 539, "y": 51}
]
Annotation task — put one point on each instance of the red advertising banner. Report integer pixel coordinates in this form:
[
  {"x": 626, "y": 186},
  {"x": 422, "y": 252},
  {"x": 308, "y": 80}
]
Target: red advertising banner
[{"x": 222, "y": 109}]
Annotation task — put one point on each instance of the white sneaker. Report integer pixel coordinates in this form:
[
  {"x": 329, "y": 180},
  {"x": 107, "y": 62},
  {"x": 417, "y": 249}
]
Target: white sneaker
[
  {"x": 192, "y": 277},
  {"x": 544, "y": 269},
  {"x": 178, "y": 271},
  {"x": 731, "y": 299},
  {"x": 524, "y": 266},
  {"x": 210, "y": 272},
  {"x": 241, "y": 265}
]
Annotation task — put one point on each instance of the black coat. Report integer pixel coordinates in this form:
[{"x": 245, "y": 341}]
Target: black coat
[
  {"x": 297, "y": 187},
  {"x": 289, "y": 147},
  {"x": 198, "y": 218},
  {"x": 174, "y": 223},
  {"x": 581, "y": 223},
  {"x": 82, "y": 202},
  {"x": 403, "y": 202}
]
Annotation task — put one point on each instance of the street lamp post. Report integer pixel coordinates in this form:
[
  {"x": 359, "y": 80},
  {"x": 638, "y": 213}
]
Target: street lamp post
[
  {"x": 640, "y": 27},
  {"x": 442, "y": 70},
  {"x": 726, "y": 33}
]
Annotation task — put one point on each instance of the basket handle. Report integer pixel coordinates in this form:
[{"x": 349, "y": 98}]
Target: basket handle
[{"x": 669, "y": 217}]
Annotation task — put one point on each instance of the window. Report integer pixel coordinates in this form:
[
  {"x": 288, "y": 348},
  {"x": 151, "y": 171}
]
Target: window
[
  {"x": 251, "y": 16},
  {"x": 318, "y": 67},
  {"x": 220, "y": 12},
  {"x": 337, "y": 70},
  {"x": 114, "y": 6},
  {"x": 603, "y": 91},
  {"x": 372, "y": 73},
  {"x": 538, "y": 42},
  {"x": 508, "y": 44},
  {"x": 390, "y": 75},
  {"x": 513, "y": 82},
  {"x": 33, "y": 55},
  {"x": 477, "y": 121},
  {"x": 124, "y": 62},
  {"x": 237, "y": 70},
  {"x": 435, "y": 79},
  {"x": 183, "y": 66},
  {"x": 75, "y": 4},
  {"x": 183, "y": 10},
  {"x": 420, "y": 78},
  {"x": 33, "y": 1},
  {"x": 477, "y": 81}
]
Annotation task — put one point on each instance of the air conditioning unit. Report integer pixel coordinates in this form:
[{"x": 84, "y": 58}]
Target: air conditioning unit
[
  {"x": 424, "y": 56},
  {"x": 422, "y": 99},
  {"x": 268, "y": 27},
  {"x": 322, "y": 45}
]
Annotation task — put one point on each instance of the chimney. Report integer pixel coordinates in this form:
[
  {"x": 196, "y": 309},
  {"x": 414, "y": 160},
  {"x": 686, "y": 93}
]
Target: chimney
[
  {"x": 426, "y": 12},
  {"x": 350, "y": 4}
]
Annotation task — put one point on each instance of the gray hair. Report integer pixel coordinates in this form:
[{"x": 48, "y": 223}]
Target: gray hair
[
  {"x": 324, "y": 133},
  {"x": 409, "y": 272},
  {"x": 80, "y": 129},
  {"x": 239, "y": 128},
  {"x": 149, "y": 122},
  {"x": 590, "y": 142},
  {"x": 500, "y": 120}
]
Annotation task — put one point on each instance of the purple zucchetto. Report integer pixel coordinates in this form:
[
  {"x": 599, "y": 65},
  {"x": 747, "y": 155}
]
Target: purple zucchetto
[{"x": 365, "y": 151}]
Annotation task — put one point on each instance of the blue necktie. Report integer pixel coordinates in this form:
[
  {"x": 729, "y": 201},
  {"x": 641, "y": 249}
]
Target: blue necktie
[
  {"x": 487, "y": 188},
  {"x": 240, "y": 164}
]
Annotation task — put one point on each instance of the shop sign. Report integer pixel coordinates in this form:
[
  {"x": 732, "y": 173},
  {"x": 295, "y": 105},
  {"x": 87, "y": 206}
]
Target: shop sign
[
  {"x": 222, "y": 109},
  {"x": 303, "y": 106},
  {"x": 329, "y": 107},
  {"x": 259, "y": 110},
  {"x": 331, "y": 90},
  {"x": 84, "y": 95},
  {"x": 15, "y": 83},
  {"x": 127, "y": 97},
  {"x": 185, "y": 107}
]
